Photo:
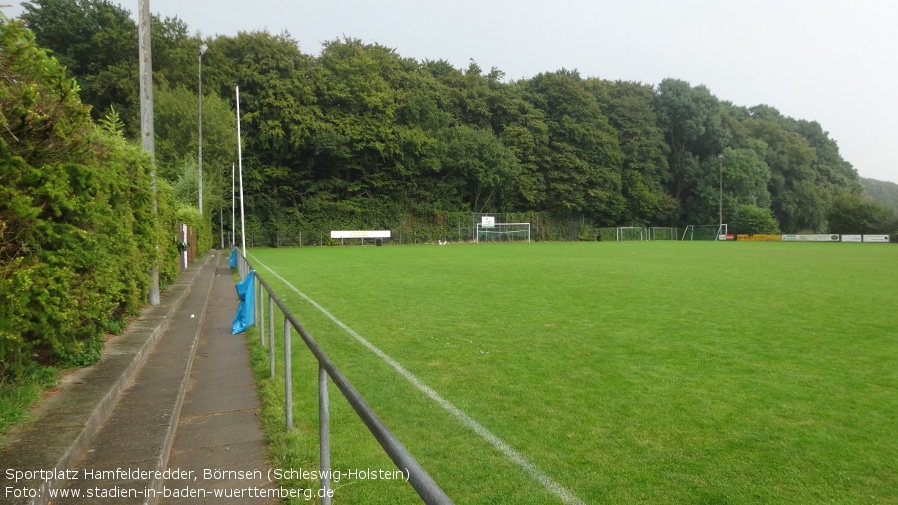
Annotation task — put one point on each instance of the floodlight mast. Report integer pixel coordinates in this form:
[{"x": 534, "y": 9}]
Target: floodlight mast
[
  {"x": 200, "y": 53},
  {"x": 720, "y": 222}
]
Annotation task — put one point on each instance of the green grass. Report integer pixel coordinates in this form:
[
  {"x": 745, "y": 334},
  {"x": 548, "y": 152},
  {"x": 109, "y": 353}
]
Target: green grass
[
  {"x": 18, "y": 396},
  {"x": 629, "y": 372}
]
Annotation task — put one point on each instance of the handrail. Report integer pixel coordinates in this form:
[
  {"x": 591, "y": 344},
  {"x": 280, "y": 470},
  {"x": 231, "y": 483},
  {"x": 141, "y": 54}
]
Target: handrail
[{"x": 429, "y": 491}]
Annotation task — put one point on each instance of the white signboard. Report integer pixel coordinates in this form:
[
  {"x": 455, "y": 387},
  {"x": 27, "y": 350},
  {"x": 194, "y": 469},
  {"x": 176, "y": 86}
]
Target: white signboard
[
  {"x": 810, "y": 238},
  {"x": 487, "y": 221},
  {"x": 851, "y": 238},
  {"x": 361, "y": 234},
  {"x": 876, "y": 238}
]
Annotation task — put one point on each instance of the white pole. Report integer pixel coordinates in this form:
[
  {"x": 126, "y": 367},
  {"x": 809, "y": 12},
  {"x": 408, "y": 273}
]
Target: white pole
[
  {"x": 233, "y": 207},
  {"x": 240, "y": 164}
]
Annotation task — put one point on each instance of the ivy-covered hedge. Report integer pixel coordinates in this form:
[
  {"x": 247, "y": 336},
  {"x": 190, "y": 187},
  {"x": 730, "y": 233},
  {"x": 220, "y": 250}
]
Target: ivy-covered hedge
[{"x": 78, "y": 233}]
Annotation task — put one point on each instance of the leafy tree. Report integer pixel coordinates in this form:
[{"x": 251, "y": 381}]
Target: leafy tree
[
  {"x": 483, "y": 163},
  {"x": 96, "y": 41},
  {"x": 176, "y": 146},
  {"x": 523, "y": 129},
  {"x": 176, "y": 118},
  {"x": 692, "y": 123},
  {"x": 828, "y": 163},
  {"x": 631, "y": 111},
  {"x": 799, "y": 195},
  {"x": 366, "y": 141},
  {"x": 175, "y": 58},
  {"x": 745, "y": 179},
  {"x": 580, "y": 166},
  {"x": 883, "y": 192},
  {"x": 467, "y": 93},
  {"x": 751, "y": 219},
  {"x": 278, "y": 111},
  {"x": 849, "y": 213}
]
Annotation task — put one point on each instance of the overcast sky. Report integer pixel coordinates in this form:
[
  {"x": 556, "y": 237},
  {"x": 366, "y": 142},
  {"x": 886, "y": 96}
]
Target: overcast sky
[{"x": 832, "y": 61}]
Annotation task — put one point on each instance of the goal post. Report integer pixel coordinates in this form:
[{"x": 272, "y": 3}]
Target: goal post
[
  {"x": 501, "y": 232},
  {"x": 663, "y": 233},
  {"x": 705, "y": 232},
  {"x": 625, "y": 233}
]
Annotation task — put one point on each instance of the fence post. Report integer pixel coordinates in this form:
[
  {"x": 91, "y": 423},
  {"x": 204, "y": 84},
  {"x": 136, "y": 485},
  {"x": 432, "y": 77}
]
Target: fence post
[
  {"x": 270, "y": 335},
  {"x": 261, "y": 314},
  {"x": 324, "y": 436},
  {"x": 288, "y": 382}
]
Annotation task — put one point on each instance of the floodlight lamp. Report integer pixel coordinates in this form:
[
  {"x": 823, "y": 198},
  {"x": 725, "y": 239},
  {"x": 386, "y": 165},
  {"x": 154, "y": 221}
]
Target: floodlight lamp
[{"x": 203, "y": 49}]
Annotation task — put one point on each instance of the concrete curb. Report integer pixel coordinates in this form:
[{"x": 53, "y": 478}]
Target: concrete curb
[{"x": 67, "y": 421}]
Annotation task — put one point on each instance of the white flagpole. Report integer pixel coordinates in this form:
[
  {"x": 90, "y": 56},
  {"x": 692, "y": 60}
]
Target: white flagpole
[
  {"x": 233, "y": 209},
  {"x": 240, "y": 164}
]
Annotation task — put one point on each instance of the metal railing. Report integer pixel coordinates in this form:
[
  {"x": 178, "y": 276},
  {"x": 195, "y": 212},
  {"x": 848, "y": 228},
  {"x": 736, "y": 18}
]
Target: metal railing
[{"x": 420, "y": 480}]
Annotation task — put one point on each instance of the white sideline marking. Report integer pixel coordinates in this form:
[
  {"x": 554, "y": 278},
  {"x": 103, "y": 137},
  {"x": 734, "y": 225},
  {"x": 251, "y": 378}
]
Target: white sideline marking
[{"x": 557, "y": 489}]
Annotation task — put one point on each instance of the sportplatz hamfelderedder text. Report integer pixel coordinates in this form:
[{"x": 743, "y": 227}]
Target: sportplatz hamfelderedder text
[{"x": 272, "y": 475}]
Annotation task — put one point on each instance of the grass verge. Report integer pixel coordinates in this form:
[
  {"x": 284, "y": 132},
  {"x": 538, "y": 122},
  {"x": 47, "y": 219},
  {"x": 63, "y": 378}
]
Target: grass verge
[{"x": 17, "y": 397}]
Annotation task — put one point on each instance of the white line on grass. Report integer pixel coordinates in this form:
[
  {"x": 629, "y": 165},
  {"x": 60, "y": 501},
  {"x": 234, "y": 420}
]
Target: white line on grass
[{"x": 560, "y": 491}]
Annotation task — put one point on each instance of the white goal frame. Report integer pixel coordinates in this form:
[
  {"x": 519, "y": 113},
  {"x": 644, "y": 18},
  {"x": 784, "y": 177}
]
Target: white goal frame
[
  {"x": 487, "y": 228},
  {"x": 664, "y": 232},
  {"x": 721, "y": 231},
  {"x": 621, "y": 229}
]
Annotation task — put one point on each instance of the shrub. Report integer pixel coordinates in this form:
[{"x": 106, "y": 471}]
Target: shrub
[
  {"x": 750, "y": 220},
  {"x": 77, "y": 229}
]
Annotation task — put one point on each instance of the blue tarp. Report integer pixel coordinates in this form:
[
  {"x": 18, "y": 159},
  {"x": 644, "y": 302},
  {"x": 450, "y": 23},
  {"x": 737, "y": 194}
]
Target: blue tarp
[
  {"x": 234, "y": 257},
  {"x": 246, "y": 290}
]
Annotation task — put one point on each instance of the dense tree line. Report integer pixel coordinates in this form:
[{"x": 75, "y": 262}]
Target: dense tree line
[
  {"x": 883, "y": 192},
  {"x": 359, "y": 136}
]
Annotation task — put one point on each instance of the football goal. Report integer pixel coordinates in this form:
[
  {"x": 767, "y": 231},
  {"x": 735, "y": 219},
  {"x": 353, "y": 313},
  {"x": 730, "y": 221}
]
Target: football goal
[
  {"x": 705, "y": 232},
  {"x": 502, "y": 232},
  {"x": 663, "y": 233},
  {"x": 630, "y": 233}
]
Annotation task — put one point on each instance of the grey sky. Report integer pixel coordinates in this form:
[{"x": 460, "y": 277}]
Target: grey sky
[{"x": 832, "y": 61}]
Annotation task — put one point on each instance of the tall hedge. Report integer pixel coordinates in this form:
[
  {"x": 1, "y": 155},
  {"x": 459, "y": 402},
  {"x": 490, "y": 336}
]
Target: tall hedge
[{"x": 77, "y": 230}]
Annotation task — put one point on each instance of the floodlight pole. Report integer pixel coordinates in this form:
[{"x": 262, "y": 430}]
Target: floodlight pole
[
  {"x": 199, "y": 92},
  {"x": 720, "y": 164}
]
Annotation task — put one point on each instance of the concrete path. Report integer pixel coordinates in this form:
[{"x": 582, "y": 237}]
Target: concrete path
[{"x": 219, "y": 432}]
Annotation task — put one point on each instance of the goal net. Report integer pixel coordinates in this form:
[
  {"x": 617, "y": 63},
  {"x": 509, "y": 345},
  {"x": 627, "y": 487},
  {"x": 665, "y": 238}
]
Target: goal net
[
  {"x": 663, "y": 233},
  {"x": 502, "y": 232},
  {"x": 630, "y": 233},
  {"x": 705, "y": 232}
]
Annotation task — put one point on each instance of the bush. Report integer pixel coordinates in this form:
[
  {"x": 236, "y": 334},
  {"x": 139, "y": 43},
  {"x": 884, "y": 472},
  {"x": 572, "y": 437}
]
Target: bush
[
  {"x": 77, "y": 230},
  {"x": 849, "y": 213},
  {"x": 750, "y": 220}
]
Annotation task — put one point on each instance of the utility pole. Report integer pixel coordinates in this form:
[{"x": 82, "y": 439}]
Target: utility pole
[{"x": 147, "y": 131}]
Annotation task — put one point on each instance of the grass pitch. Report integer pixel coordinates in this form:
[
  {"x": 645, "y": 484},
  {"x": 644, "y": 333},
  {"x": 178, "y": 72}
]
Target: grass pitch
[{"x": 628, "y": 372}]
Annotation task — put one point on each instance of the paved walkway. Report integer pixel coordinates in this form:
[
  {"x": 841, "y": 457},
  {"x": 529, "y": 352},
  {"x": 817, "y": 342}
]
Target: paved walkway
[
  {"x": 173, "y": 393},
  {"x": 219, "y": 428}
]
